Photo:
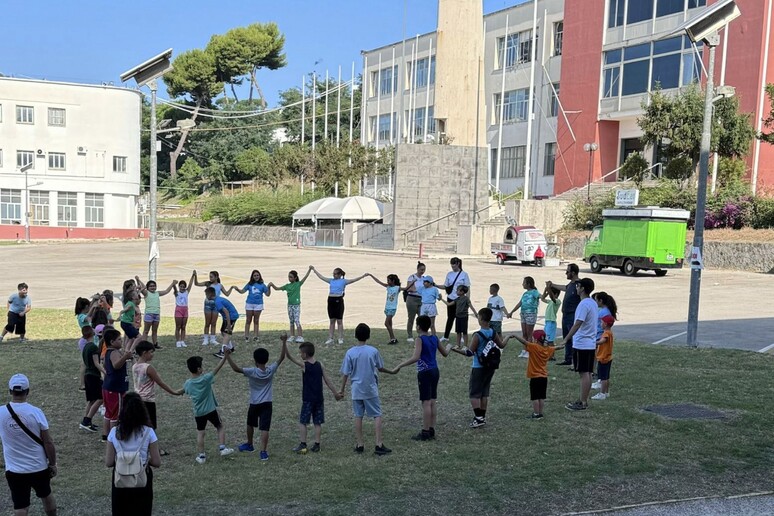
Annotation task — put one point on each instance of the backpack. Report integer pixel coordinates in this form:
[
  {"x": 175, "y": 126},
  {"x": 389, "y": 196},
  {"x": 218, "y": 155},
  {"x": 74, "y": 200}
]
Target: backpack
[
  {"x": 129, "y": 471},
  {"x": 488, "y": 352}
]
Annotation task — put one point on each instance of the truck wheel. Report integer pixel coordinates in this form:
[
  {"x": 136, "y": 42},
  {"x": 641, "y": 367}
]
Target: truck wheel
[
  {"x": 500, "y": 260},
  {"x": 660, "y": 272},
  {"x": 628, "y": 268},
  {"x": 595, "y": 265}
]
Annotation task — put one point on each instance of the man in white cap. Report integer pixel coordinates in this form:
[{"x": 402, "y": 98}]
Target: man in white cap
[{"x": 30, "y": 456}]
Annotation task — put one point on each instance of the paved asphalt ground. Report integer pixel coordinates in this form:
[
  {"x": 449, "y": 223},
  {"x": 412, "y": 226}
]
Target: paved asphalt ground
[{"x": 733, "y": 313}]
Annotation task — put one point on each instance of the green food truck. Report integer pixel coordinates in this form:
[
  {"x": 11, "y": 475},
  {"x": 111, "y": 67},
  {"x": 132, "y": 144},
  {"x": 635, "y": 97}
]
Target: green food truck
[{"x": 648, "y": 238}]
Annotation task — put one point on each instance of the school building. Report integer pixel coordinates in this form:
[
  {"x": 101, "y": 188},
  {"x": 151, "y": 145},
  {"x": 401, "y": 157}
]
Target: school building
[
  {"x": 587, "y": 66},
  {"x": 83, "y": 144}
]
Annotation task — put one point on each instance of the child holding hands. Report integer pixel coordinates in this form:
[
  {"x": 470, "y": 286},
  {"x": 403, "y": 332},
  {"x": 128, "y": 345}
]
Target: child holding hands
[{"x": 540, "y": 351}]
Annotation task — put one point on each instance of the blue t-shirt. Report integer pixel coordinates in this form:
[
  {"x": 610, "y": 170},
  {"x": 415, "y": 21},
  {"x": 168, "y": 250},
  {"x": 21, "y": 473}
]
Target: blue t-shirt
[
  {"x": 392, "y": 298},
  {"x": 601, "y": 312},
  {"x": 221, "y": 303},
  {"x": 361, "y": 364},
  {"x": 530, "y": 300},
  {"x": 260, "y": 381},
  {"x": 83, "y": 320},
  {"x": 337, "y": 286},
  {"x": 18, "y": 303},
  {"x": 429, "y": 294},
  {"x": 427, "y": 359},
  {"x": 489, "y": 334},
  {"x": 255, "y": 293}
]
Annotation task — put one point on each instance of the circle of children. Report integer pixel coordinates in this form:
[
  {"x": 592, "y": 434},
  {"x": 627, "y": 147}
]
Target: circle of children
[{"x": 586, "y": 327}]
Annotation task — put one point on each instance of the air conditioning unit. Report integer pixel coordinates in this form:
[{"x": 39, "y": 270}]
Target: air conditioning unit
[
  {"x": 82, "y": 150},
  {"x": 40, "y": 152}
]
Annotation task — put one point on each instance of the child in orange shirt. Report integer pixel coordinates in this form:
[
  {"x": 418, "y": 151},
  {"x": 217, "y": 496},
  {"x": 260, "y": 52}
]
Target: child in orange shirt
[
  {"x": 540, "y": 352},
  {"x": 604, "y": 357}
]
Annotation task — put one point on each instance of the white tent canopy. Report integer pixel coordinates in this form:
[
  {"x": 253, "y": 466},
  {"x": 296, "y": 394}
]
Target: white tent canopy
[
  {"x": 352, "y": 208},
  {"x": 309, "y": 211}
]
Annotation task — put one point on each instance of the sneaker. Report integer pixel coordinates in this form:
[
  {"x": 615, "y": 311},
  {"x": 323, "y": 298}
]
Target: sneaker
[
  {"x": 299, "y": 339},
  {"x": 94, "y": 428},
  {"x": 256, "y": 339},
  {"x": 421, "y": 436},
  {"x": 264, "y": 455},
  {"x": 177, "y": 344},
  {"x": 156, "y": 346},
  {"x": 359, "y": 449},
  {"x": 245, "y": 447},
  {"x": 315, "y": 448},
  {"x": 477, "y": 422},
  {"x": 88, "y": 428},
  {"x": 576, "y": 406},
  {"x": 381, "y": 450},
  {"x": 596, "y": 385},
  {"x": 341, "y": 341},
  {"x": 205, "y": 340},
  {"x": 329, "y": 342},
  {"x": 410, "y": 340},
  {"x": 600, "y": 396},
  {"x": 247, "y": 339},
  {"x": 564, "y": 363},
  {"x": 524, "y": 354},
  {"x": 214, "y": 340},
  {"x": 2, "y": 337},
  {"x": 301, "y": 448},
  {"x": 103, "y": 439},
  {"x": 444, "y": 339},
  {"x": 219, "y": 354},
  {"x": 226, "y": 451},
  {"x": 183, "y": 344},
  {"x": 201, "y": 458},
  {"x": 393, "y": 342},
  {"x": 536, "y": 416},
  {"x": 23, "y": 340}
]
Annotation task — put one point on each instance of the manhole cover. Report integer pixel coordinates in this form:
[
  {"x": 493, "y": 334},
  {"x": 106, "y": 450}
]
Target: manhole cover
[{"x": 684, "y": 411}]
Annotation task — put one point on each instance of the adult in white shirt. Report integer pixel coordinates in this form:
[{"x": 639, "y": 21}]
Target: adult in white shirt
[
  {"x": 30, "y": 458},
  {"x": 413, "y": 299},
  {"x": 133, "y": 432},
  {"x": 584, "y": 340},
  {"x": 454, "y": 279}
]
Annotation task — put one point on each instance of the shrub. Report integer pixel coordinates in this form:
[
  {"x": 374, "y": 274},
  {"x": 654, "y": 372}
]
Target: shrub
[
  {"x": 762, "y": 213},
  {"x": 634, "y": 167},
  {"x": 262, "y": 207}
]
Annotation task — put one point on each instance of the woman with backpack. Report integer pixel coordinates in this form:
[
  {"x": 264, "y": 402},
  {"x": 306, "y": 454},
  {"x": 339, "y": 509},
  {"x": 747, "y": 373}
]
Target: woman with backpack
[{"x": 132, "y": 449}]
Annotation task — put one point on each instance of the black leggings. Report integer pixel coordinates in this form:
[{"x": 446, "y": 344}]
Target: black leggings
[
  {"x": 133, "y": 501},
  {"x": 451, "y": 315}
]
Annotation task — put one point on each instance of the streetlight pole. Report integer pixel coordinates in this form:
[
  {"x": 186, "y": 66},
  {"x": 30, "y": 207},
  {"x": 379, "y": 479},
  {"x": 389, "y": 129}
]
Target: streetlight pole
[
  {"x": 590, "y": 148},
  {"x": 153, "y": 185},
  {"x": 26, "y": 206},
  {"x": 701, "y": 196}
]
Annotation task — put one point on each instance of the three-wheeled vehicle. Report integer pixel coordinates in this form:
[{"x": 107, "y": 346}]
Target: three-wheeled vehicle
[{"x": 520, "y": 243}]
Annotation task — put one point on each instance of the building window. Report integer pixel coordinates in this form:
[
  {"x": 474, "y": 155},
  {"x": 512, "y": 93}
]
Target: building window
[
  {"x": 418, "y": 126},
  {"x": 10, "y": 206},
  {"x": 516, "y": 106},
  {"x": 518, "y": 50},
  {"x": 66, "y": 209},
  {"x": 558, "y": 36},
  {"x": 513, "y": 162},
  {"x": 95, "y": 210},
  {"x": 615, "y": 13},
  {"x": 1, "y": 112},
  {"x": 56, "y": 160},
  {"x": 39, "y": 203},
  {"x": 1, "y": 158},
  {"x": 25, "y": 157},
  {"x": 119, "y": 164},
  {"x": 549, "y": 160},
  {"x": 56, "y": 117},
  {"x": 374, "y": 86},
  {"x": 692, "y": 4},
  {"x": 388, "y": 80},
  {"x": 385, "y": 123},
  {"x": 425, "y": 73},
  {"x": 638, "y": 11},
  {"x": 25, "y": 115},
  {"x": 553, "y": 107}
]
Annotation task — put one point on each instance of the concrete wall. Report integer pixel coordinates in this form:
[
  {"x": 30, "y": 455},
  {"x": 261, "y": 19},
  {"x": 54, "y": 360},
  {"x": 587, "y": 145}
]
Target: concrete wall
[
  {"x": 547, "y": 215},
  {"x": 375, "y": 236},
  {"x": 209, "y": 231},
  {"x": 432, "y": 181}
]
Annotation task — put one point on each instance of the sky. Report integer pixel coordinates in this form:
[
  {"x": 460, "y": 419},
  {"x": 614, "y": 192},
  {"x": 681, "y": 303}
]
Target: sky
[{"x": 93, "y": 41}]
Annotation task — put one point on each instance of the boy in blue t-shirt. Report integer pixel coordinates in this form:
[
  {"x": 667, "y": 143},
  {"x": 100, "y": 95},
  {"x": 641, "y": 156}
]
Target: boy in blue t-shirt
[
  {"x": 19, "y": 305},
  {"x": 228, "y": 311},
  {"x": 361, "y": 364}
]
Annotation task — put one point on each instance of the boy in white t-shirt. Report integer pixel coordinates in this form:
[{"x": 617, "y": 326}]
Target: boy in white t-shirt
[{"x": 497, "y": 305}]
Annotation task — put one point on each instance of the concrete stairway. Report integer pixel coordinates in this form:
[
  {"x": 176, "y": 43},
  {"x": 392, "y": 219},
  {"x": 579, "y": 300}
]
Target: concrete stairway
[
  {"x": 442, "y": 243},
  {"x": 598, "y": 190}
]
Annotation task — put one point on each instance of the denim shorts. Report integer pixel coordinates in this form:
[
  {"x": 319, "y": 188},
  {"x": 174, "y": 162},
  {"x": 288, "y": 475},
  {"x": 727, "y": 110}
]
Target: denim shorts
[
  {"x": 312, "y": 411},
  {"x": 209, "y": 306},
  {"x": 550, "y": 328},
  {"x": 370, "y": 407},
  {"x": 391, "y": 312},
  {"x": 529, "y": 317},
  {"x": 151, "y": 318}
]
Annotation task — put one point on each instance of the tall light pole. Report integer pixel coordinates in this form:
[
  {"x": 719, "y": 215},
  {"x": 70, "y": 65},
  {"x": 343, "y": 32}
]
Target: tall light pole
[
  {"x": 705, "y": 27},
  {"x": 591, "y": 148},
  {"x": 25, "y": 170},
  {"x": 146, "y": 74}
]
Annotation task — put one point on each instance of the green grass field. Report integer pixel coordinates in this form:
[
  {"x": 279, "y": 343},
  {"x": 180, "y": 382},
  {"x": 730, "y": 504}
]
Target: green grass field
[{"x": 610, "y": 455}]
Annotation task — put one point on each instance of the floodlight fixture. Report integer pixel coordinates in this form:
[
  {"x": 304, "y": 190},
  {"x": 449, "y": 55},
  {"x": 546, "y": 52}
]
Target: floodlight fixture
[
  {"x": 149, "y": 70},
  {"x": 26, "y": 167},
  {"x": 709, "y": 21}
]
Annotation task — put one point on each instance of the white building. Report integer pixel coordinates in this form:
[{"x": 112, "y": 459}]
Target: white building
[{"x": 84, "y": 144}]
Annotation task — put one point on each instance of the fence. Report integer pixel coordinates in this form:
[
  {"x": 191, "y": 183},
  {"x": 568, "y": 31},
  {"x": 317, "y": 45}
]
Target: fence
[{"x": 320, "y": 238}]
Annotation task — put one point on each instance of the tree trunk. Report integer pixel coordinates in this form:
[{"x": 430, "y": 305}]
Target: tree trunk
[
  {"x": 183, "y": 136},
  {"x": 254, "y": 82},
  {"x": 236, "y": 99}
]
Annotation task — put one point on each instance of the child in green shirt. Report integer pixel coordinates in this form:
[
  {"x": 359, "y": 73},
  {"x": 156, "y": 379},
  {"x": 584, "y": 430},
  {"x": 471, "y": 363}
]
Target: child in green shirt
[
  {"x": 293, "y": 288},
  {"x": 551, "y": 298}
]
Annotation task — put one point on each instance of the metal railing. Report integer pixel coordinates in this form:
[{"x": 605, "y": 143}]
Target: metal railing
[
  {"x": 413, "y": 231},
  {"x": 366, "y": 232}
]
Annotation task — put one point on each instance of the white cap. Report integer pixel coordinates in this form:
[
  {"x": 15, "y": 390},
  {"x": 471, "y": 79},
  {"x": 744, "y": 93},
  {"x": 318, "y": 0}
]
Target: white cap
[{"x": 18, "y": 382}]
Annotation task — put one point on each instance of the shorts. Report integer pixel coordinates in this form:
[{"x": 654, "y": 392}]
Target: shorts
[
  {"x": 391, "y": 312},
  {"x": 16, "y": 322},
  {"x": 335, "y": 307},
  {"x": 538, "y": 388},
  {"x": 294, "y": 314},
  {"x": 150, "y": 406},
  {"x": 312, "y": 411},
  {"x": 129, "y": 330},
  {"x": 93, "y": 386},
  {"x": 428, "y": 309},
  {"x": 213, "y": 417},
  {"x": 529, "y": 318},
  {"x": 461, "y": 324},
  {"x": 497, "y": 326},
  {"x": 22, "y": 483},
  {"x": 181, "y": 311},
  {"x": 209, "y": 306},
  {"x": 113, "y": 402},
  {"x": 428, "y": 384},
  {"x": 584, "y": 360},
  {"x": 250, "y": 307},
  {"x": 225, "y": 328},
  {"x": 370, "y": 407},
  {"x": 550, "y": 328},
  {"x": 603, "y": 370},
  {"x": 260, "y": 412},
  {"x": 480, "y": 382},
  {"x": 151, "y": 318}
]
